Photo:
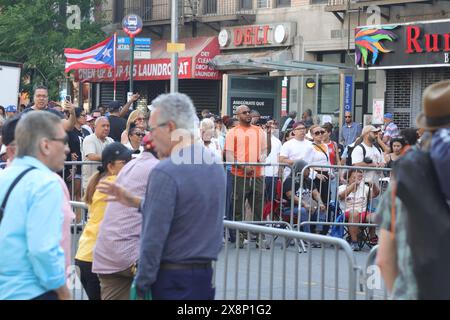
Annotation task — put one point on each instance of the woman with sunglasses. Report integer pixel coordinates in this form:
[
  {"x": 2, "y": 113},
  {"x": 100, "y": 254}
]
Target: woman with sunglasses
[
  {"x": 114, "y": 157},
  {"x": 319, "y": 155},
  {"x": 135, "y": 136},
  {"x": 138, "y": 118}
]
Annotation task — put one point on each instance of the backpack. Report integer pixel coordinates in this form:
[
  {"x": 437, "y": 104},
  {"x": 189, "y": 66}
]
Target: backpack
[
  {"x": 348, "y": 160},
  {"x": 427, "y": 223}
]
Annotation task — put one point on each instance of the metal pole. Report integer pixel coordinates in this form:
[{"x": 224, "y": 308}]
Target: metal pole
[
  {"x": 174, "y": 39},
  {"x": 131, "y": 61}
]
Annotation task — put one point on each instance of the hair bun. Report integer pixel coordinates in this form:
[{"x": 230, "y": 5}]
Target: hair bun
[{"x": 100, "y": 169}]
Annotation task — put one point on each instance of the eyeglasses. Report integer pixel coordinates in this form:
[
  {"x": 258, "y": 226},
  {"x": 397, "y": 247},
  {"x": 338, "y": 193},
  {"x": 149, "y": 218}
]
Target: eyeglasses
[
  {"x": 157, "y": 126},
  {"x": 300, "y": 128},
  {"x": 64, "y": 140},
  {"x": 245, "y": 112},
  {"x": 319, "y": 132},
  {"x": 140, "y": 119}
]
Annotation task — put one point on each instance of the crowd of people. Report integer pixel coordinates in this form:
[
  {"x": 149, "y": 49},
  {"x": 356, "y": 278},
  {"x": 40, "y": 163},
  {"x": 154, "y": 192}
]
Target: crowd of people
[{"x": 156, "y": 220}]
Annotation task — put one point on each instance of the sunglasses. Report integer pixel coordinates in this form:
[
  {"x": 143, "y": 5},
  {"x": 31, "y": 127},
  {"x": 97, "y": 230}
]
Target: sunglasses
[
  {"x": 64, "y": 140},
  {"x": 319, "y": 132},
  {"x": 139, "y": 134},
  {"x": 348, "y": 116}
]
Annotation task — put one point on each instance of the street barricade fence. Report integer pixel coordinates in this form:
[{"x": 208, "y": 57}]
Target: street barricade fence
[
  {"x": 277, "y": 271},
  {"x": 268, "y": 263}
]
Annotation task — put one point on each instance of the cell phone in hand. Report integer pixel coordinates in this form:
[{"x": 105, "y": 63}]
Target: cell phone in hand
[{"x": 68, "y": 99}]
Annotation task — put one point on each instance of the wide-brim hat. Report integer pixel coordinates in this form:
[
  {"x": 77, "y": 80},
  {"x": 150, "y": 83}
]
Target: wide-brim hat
[{"x": 436, "y": 106}]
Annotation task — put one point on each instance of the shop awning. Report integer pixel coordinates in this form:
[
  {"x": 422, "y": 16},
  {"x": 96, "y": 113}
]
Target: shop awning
[
  {"x": 192, "y": 63},
  {"x": 274, "y": 62}
]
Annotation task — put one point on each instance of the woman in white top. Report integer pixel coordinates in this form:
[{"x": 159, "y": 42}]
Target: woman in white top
[
  {"x": 137, "y": 117},
  {"x": 318, "y": 155},
  {"x": 354, "y": 197},
  {"x": 135, "y": 136},
  {"x": 207, "y": 131}
]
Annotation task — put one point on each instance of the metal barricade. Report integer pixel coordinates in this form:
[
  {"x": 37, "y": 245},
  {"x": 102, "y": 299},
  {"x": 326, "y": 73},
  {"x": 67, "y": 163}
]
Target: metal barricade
[
  {"x": 77, "y": 228},
  {"x": 374, "y": 285},
  {"x": 266, "y": 273},
  {"x": 317, "y": 211}
]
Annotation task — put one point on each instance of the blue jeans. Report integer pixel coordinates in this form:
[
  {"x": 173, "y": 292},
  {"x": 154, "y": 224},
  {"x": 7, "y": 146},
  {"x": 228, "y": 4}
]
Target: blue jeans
[
  {"x": 185, "y": 284},
  {"x": 304, "y": 216}
]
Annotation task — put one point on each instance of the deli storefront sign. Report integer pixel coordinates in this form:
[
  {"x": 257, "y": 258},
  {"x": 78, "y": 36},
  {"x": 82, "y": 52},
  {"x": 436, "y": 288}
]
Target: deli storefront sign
[
  {"x": 409, "y": 45},
  {"x": 258, "y": 36}
]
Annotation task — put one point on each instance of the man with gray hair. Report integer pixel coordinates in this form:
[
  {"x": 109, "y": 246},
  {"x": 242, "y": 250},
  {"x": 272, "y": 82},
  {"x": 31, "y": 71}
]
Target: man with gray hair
[
  {"x": 93, "y": 146},
  {"x": 31, "y": 259},
  {"x": 183, "y": 208}
]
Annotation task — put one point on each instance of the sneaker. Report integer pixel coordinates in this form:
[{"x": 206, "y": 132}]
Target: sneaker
[
  {"x": 355, "y": 246},
  {"x": 374, "y": 240},
  {"x": 263, "y": 244},
  {"x": 316, "y": 245}
]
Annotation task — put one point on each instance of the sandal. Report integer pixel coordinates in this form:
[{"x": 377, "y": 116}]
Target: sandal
[{"x": 374, "y": 240}]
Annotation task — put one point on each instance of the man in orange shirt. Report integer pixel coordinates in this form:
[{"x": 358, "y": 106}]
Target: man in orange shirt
[{"x": 247, "y": 143}]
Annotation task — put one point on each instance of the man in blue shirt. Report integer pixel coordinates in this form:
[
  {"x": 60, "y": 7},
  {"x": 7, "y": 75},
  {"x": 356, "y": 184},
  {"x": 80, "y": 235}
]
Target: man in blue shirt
[
  {"x": 31, "y": 258},
  {"x": 350, "y": 130},
  {"x": 183, "y": 209}
]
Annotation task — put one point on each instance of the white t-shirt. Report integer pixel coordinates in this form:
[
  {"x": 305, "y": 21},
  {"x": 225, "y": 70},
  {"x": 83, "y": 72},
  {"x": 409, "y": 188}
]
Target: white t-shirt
[
  {"x": 294, "y": 150},
  {"x": 355, "y": 200},
  {"x": 272, "y": 158},
  {"x": 214, "y": 147},
  {"x": 92, "y": 144},
  {"x": 372, "y": 153}
]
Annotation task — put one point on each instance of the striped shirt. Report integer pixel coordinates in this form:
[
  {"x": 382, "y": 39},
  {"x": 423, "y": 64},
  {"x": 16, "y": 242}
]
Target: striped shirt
[{"x": 117, "y": 246}]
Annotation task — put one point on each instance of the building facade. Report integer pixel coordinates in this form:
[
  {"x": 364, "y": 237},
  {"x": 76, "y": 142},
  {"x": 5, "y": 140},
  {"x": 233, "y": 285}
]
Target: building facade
[{"x": 319, "y": 31}]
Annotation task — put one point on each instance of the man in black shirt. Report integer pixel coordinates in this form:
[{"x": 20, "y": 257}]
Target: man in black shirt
[
  {"x": 116, "y": 122},
  {"x": 311, "y": 202},
  {"x": 76, "y": 137},
  {"x": 117, "y": 117},
  {"x": 40, "y": 99}
]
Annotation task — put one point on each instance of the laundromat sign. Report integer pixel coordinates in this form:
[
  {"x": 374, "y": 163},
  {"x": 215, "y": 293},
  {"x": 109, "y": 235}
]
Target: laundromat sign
[
  {"x": 409, "y": 45},
  {"x": 257, "y": 36}
]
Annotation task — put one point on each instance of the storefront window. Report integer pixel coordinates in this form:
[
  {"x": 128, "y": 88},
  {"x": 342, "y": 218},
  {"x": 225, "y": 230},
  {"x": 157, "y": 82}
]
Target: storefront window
[
  {"x": 246, "y": 4},
  {"x": 283, "y": 3},
  {"x": 328, "y": 95}
]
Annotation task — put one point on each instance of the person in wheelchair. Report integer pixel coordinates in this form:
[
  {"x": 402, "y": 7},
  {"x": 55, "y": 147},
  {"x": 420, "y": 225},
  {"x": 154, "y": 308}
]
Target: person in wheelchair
[
  {"x": 354, "y": 197},
  {"x": 311, "y": 207}
]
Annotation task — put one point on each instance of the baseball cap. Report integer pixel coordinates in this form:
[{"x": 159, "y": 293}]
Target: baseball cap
[
  {"x": 115, "y": 151},
  {"x": 113, "y": 105},
  {"x": 389, "y": 116},
  {"x": 368, "y": 129},
  {"x": 8, "y": 129},
  {"x": 89, "y": 118},
  {"x": 11, "y": 108}
]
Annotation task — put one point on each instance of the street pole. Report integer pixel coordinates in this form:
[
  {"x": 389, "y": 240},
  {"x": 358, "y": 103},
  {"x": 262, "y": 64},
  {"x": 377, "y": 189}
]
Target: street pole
[
  {"x": 174, "y": 39},
  {"x": 131, "y": 62}
]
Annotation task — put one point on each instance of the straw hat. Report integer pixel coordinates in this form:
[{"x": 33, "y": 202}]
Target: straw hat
[{"x": 436, "y": 106}]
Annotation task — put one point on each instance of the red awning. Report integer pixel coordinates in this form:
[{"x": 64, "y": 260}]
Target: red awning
[{"x": 192, "y": 63}]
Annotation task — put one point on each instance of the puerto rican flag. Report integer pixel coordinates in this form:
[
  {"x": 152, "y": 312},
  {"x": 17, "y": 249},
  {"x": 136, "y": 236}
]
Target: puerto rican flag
[{"x": 99, "y": 56}]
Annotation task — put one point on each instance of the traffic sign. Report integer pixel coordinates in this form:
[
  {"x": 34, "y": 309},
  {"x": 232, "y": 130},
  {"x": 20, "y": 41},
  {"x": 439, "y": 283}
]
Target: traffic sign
[
  {"x": 132, "y": 24},
  {"x": 175, "y": 47},
  {"x": 140, "y": 44}
]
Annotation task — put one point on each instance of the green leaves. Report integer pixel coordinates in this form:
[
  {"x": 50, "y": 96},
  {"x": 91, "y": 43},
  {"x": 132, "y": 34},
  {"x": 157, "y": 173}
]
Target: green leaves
[{"x": 35, "y": 33}]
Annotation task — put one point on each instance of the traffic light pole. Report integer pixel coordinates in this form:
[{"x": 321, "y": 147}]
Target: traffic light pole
[{"x": 174, "y": 39}]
